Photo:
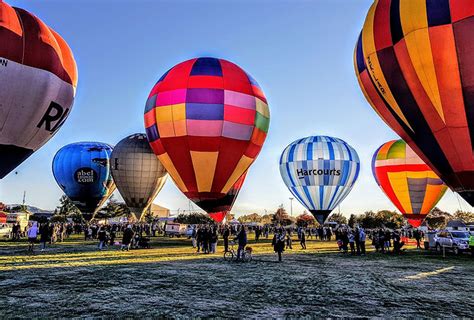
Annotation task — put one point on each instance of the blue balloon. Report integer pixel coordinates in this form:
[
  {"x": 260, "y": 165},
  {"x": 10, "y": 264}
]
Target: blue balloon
[
  {"x": 82, "y": 170},
  {"x": 320, "y": 172}
]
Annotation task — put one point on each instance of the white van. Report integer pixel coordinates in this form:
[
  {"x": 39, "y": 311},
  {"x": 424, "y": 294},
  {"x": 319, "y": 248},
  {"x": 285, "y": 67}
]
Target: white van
[{"x": 173, "y": 229}]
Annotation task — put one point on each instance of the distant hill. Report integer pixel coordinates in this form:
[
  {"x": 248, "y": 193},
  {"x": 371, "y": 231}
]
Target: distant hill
[{"x": 31, "y": 209}]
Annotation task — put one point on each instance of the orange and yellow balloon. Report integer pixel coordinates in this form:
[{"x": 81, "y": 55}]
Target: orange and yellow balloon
[{"x": 407, "y": 181}]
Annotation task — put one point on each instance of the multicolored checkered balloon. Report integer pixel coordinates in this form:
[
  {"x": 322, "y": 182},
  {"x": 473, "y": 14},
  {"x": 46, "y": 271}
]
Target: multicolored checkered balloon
[
  {"x": 206, "y": 119},
  {"x": 407, "y": 180}
]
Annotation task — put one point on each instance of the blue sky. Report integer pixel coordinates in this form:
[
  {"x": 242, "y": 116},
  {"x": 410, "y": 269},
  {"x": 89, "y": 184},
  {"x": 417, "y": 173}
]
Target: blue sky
[{"x": 300, "y": 52}]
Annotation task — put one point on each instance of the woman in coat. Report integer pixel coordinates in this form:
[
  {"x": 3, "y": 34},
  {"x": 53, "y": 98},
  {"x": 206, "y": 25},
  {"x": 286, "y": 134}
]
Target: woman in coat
[{"x": 279, "y": 242}]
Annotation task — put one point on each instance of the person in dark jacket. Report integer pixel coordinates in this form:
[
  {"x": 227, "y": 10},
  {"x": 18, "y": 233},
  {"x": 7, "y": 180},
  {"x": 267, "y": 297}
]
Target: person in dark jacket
[
  {"x": 44, "y": 235},
  {"x": 242, "y": 241},
  {"x": 225, "y": 236},
  {"x": 102, "y": 237},
  {"x": 127, "y": 238},
  {"x": 278, "y": 242},
  {"x": 303, "y": 239}
]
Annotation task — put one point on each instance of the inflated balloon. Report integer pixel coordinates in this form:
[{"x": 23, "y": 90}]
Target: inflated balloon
[
  {"x": 415, "y": 64},
  {"x": 206, "y": 120},
  {"x": 38, "y": 78},
  {"x": 82, "y": 170},
  {"x": 137, "y": 172},
  {"x": 222, "y": 206},
  {"x": 407, "y": 181},
  {"x": 320, "y": 172}
]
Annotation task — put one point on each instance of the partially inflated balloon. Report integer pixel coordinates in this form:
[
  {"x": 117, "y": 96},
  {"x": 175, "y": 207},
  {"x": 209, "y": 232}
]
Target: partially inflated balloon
[
  {"x": 222, "y": 206},
  {"x": 38, "y": 79},
  {"x": 82, "y": 170},
  {"x": 415, "y": 64},
  {"x": 206, "y": 120},
  {"x": 407, "y": 181},
  {"x": 320, "y": 172},
  {"x": 137, "y": 172}
]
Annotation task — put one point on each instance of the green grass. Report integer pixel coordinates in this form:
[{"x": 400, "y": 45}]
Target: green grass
[{"x": 73, "y": 278}]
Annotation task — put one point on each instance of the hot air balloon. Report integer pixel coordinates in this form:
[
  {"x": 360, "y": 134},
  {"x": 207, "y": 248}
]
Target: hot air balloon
[
  {"x": 414, "y": 62},
  {"x": 407, "y": 181},
  {"x": 82, "y": 170},
  {"x": 320, "y": 172},
  {"x": 38, "y": 78},
  {"x": 206, "y": 120},
  {"x": 222, "y": 206},
  {"x": 137, "y": 172}
]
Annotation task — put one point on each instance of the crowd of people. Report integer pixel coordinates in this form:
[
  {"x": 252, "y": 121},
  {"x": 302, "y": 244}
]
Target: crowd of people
[{"x": 204, "y": 238}]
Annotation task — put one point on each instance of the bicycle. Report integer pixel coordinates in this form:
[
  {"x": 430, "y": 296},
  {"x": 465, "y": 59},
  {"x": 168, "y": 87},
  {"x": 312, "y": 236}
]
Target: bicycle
[{"x": 231, "y": 255}]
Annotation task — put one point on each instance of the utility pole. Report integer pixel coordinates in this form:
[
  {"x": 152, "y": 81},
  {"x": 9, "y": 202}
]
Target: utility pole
[
  {"x": 24, "y": 197},
  {"x": 291, "y": 206}
]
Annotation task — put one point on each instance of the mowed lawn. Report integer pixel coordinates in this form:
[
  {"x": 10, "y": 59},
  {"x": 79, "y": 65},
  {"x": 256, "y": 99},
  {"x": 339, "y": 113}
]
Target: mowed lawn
[{"x": 75, "y": 279}]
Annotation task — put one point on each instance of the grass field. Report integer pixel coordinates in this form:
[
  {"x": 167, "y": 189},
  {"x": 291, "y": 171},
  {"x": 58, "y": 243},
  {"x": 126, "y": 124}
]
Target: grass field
[{"x": 74, "y": 279}]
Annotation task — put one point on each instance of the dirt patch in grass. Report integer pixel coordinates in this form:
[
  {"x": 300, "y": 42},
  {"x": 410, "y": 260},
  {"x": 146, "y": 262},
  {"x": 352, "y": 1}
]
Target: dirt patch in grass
[{"x": 149, "y": 283}]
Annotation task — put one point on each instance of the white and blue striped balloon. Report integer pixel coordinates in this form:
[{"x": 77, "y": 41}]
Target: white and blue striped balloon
[{"x": 320, "y": 172}]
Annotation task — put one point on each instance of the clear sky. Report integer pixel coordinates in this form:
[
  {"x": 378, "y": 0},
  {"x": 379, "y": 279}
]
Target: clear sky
[{"x": 300, "y": 52}]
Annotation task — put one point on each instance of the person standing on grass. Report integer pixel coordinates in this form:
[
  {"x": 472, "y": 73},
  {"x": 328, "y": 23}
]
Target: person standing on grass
[
  {"x": 32, "y": 233},
  {"x": 213, "y": 241},
  {"x": 113, "y": 235},
  {"x": 417, "y": 236},
  {"x": 257, "y": 233},
  {"x": 127, "y": 238},
  {"x": 44, "y": 233},
  {"x": 193, "y": 237},
  {"x": 357, "y": 240},
  {"x": 278, "y": 242},
  {"x": 362, "y": 237},
  {"x": 350, "y": 236},
  {"x": 303, "y": 239},
  {"x": 205, "y": 240},
  {"x": 225, "y": 236},
  {"x": 199, "y": 238},
  {"x": 289, "y": 242},
  {"x": 102, "y": 237},
  {"x": 242, "y": 241}
]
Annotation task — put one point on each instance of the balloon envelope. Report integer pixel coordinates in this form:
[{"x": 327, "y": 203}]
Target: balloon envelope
[
  {"x": 414, "y": 62},
  {"x": 137, "y": 172},
  {"x": 206, "y": 120},
  {"x": 82, "y": 170},
  {"x": 38, "y": 79},
  {"x": 407, "y": 181},
  {"x": 320, "y": 172}
]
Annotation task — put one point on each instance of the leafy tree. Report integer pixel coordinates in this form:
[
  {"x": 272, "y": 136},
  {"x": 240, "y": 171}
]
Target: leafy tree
[
  {"x": 66, "y": 208},
  {"x": 113, "y": 209},
  {"x": 267, "y": 218},
  {"x": 339, "y": 218},
  {"x": 305, "y": 220},
  {"x": 464, "y": 216},
  {"x": 390, "y": 219},
  {"x": 229, "y": 217},
  {"x": 57, "y": 218},
  {"x": 253, "y": 217},
  {"x": 281, "y": 217},
  {"x": 194, "y": 218},
  {"x": 437, "y": 219},
  {"x": 352, "y": 220}
]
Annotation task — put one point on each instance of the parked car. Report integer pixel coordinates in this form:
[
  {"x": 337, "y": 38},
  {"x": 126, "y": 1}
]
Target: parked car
[{"x": 456, "y": 241}]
